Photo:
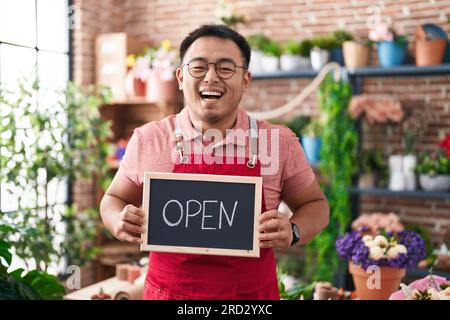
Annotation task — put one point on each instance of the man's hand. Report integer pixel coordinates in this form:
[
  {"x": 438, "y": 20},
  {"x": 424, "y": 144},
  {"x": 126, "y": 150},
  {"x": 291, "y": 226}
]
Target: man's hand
[
  {"x": 129, "y": 224},
  {"x": 275, "y": 230}
]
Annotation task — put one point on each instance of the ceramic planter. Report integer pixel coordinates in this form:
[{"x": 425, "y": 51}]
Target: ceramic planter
[
  {"x": 391, "y": 54},
  {"x": 434, "y": 183},
  {"x": 390, "y": 279},
  {"x": 289, "y": 62},
  {"x": 255, "y": 61},
  {"x": 319, "y": 58},
  {"x": 269, "y": 63},
  {"x": 356, "y": 55},
  {"x": 161, "y": 90},
  {"x": 409, "y": 165},
  {"x": 337, "y": 55},
  {"x": 430, "y": 52},
  {"x": 311, "y": 146},
  {"x": 396, "y": 176}
]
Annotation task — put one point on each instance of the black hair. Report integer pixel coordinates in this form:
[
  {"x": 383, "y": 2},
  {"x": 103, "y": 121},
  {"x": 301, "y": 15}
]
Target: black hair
[{"x": 220, "y": 31}]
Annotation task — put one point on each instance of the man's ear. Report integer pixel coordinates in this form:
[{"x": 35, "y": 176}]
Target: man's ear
[
  {"x": 246, "y": 80},
  {"x": 179, "y": 74}
]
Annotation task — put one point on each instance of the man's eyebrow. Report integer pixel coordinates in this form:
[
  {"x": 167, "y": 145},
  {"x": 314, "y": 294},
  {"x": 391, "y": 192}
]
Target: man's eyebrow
[{"x": 206, "y": 60}]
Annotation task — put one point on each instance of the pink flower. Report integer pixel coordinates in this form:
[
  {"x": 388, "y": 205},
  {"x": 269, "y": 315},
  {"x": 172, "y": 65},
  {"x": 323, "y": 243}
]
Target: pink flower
[
  {"x": 382, "y": 32},
  {"x": 421, "y": 285}
]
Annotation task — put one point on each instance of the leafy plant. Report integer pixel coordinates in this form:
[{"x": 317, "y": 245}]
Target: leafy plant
[
  {"x": 340, "y": 37},
  {"x": 47, "y": 145},
  {"x": 291, "y": 47},
  {"x": 324, "y": 42},
  {"x": 314, "y": 128},
  {"x": 295, "y": 292},
  {"x": 296, "y": 124},
  {"x": 305, "y": 48},
  {"x": 370, "y": 161},
  {"x": 271, "y": 48},
  {"x": 18, "y": 285},
  {"x": 338, "y": 154},
  {"x": 258, "y": 41},
  {"x": 433, "y": 163}
]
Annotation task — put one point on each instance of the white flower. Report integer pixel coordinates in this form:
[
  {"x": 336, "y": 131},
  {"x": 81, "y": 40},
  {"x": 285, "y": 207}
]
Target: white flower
[
  {"x": 401, "y": 249},
  {"x": 381, "y": 241},
  {"x": 366, "y": 238},
  {"x": 392, "y": 253},
  {"x": 370, "y": 244},
  {"x": 376, "y": 253}
]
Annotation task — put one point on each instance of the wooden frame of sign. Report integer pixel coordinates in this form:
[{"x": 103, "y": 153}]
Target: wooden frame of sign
[{"x": 256, "y": 181}]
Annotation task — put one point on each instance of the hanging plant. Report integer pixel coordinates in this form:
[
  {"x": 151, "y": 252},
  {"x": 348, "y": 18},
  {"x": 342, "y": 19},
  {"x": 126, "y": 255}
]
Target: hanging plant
[{"x": 338, "y": 153}]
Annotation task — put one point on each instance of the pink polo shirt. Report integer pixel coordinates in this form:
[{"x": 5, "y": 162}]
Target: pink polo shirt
[{"x": 284, "y": 167}]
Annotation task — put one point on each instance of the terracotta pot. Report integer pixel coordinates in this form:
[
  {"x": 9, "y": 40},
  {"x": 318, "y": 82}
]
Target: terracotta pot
[
  {"x": 356, "y": 55},
  {"x": 430, "y": 52},
  {"x": 161, "y": 90},
  {"x": 390, "y": 279}
]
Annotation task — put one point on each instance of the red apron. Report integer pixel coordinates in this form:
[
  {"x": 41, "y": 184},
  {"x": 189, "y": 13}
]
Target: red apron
[{"x": 173, "y": 276}]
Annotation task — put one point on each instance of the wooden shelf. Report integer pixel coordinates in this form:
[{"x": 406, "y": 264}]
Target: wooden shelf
[
  {"x": 372, "y": 71},
  {"x": 131, "y": 101},
  {"x": 409, "y": 194}
]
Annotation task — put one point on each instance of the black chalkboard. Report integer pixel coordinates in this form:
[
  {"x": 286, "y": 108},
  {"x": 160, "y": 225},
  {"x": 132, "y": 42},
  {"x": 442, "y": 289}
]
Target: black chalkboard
[{"x": 197, "y": 213}]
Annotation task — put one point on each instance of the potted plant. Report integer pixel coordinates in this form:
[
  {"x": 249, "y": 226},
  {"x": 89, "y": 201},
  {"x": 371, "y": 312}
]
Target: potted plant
[
  {"x": 311, "y": 140},
  {"x": 371, "y": 166},
  {"x": 271, "y": 53},
  {"x": 392, "y": 48},
  {"x": 305, "y": 53},
  {"x": 434, "y": 171},
  {"x": 320, "y": 53},
  {"x": 430, "y": 46},
  {"x": 431, "y": 287},
  {"x": 357, "y": 53},
  {"x": 290, "y": 58},
  {"x": 383, "y": 257},
  {"x": 336, "y": 52},
  {"x": 257, "y": 42}
]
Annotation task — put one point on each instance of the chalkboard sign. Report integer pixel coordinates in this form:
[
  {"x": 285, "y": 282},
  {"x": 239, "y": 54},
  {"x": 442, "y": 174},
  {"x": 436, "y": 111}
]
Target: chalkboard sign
[{"x": 201, "y": 213}]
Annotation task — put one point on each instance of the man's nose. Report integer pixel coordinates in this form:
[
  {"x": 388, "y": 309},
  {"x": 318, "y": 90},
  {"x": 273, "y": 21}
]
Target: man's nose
[{"x": 211, "y": 74}]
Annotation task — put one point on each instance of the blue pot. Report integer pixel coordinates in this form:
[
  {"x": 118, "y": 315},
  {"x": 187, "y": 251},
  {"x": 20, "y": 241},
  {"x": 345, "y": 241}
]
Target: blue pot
[
  {"x": 391, "y": 54},
  {"x": 311, "y": 146},
  {"x": 447, "y": 53},
  {"x": 337, "y": 55}
]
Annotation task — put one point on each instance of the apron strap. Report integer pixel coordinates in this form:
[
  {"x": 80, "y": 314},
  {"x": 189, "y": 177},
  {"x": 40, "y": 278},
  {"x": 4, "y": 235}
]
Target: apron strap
[{"x": 179, "y": 140}]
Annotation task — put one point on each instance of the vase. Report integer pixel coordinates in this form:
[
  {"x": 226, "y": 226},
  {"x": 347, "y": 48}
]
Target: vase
[
  {"x": 409, "y": 165},
  {"x": 396, "y": 176},
  {"x": 391, "y": 54},
  {"x": 356, "y": 55},
  {"x": 319, "y": 58},
  {"x": 367, "y": 288}
]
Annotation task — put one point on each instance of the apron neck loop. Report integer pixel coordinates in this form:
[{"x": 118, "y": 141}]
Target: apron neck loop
[{"x": 179, "y": 140}]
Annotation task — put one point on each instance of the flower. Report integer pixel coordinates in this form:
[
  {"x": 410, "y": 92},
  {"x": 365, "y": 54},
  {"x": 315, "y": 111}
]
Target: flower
[
  {"x": 445, "y": 145},
  {"x": 429, "y": 288},
  {"x": 401, "y": 250},
  {"x": 435, "y": 163},
  {"x": 164, "y": 60},
  {"x": 226, "y": 13},
  {"x": 376, "y": 221},
  {"x": 383, "y": 31},
  {"x": 377, "y": 109}
]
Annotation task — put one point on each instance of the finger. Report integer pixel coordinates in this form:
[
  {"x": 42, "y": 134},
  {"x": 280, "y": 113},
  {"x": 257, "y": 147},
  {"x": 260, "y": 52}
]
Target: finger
[
  {"x": 130, "y": 238},
  {"x": 272, "y": 236},
  {"x": 129, "y": 227},
  {"x": 133, "y": 218},
  {"x": 271, "y": 244},
  {"x": 273, "y": 224},
  {"x": 272, "y": 214},
  {"x": 133, "y": 209}
]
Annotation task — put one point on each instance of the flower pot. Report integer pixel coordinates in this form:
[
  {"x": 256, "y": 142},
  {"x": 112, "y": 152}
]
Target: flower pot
[
  {"x": 430, "y": 52},
  {"x": 409, "y": 165},
  {"x": 319, "y": 58},
  {"x": 391, "y": 54},
  {"x": 269, "y": 63},
  {"x": 389, "y": 282},
  {"x": 366, "y": 181},
  {"x": 289, "y": 62},
  {"x": 337, "y": 55},
  {"x": 434, "y": 183},
  {"x": 305, "y": 62},
  {"x": 134, "y": 87},
  {"x": 447, "y": 53},
  {"x": 356, "y": 55},
  {"x": 311, "y": 146},
  {"x": 255, "y": 62},
  {"x": 162, "y": 88}
]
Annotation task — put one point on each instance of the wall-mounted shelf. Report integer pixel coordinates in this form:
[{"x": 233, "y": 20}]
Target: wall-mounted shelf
[
  {"x": 375, "y": 71},
  {"x": 409, "y": 194}
]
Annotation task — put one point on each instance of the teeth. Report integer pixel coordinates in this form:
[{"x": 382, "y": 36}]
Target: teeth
[{"x": 211, "y": 93}]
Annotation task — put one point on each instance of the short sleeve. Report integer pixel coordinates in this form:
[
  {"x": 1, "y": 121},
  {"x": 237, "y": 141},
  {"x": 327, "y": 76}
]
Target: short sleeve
[
  {"x": 297, "y": 173},
  {"x": 129, "y": 166}
]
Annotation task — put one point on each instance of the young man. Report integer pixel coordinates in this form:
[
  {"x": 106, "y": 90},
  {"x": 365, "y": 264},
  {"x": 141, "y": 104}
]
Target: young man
[{"x": 213, "y": 76}]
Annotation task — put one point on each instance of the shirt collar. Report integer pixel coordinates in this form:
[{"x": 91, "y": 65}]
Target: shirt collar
[{"x": 242, "y": 124}]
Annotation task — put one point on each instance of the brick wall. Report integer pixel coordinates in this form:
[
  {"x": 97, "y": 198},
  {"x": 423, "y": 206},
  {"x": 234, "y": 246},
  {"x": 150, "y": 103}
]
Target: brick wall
[{"x": 154, "y": 21}]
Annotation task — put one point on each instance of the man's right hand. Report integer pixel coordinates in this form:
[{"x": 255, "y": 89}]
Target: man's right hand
[{"x": 130, "y": 225}]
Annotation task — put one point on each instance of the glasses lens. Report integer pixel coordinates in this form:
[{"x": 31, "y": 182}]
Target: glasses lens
[
  {"x": 225, "y": 69},
  {"x": 197, "y": 69}
]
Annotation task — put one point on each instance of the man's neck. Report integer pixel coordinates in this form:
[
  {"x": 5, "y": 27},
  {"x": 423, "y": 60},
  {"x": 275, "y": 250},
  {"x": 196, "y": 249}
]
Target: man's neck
[{"x": 222, "y": 125}]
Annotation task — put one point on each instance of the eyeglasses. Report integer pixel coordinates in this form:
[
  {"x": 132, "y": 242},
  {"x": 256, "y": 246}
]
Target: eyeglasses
[{"x": 224, "y": 69}]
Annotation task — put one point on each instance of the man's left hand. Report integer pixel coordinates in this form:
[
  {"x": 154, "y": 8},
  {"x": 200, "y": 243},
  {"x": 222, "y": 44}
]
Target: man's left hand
[{"x": 275, "y": 230}]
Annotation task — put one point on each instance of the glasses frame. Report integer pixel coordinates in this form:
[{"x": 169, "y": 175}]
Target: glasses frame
[{"x": 215, "y": 68}]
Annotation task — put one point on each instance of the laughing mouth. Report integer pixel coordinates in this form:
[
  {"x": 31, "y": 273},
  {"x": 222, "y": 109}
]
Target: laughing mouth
[{"x": 211, "y": 95}]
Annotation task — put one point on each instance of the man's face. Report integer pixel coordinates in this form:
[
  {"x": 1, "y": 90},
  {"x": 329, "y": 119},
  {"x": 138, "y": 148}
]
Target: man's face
[{"x": 210, "y": 98}]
